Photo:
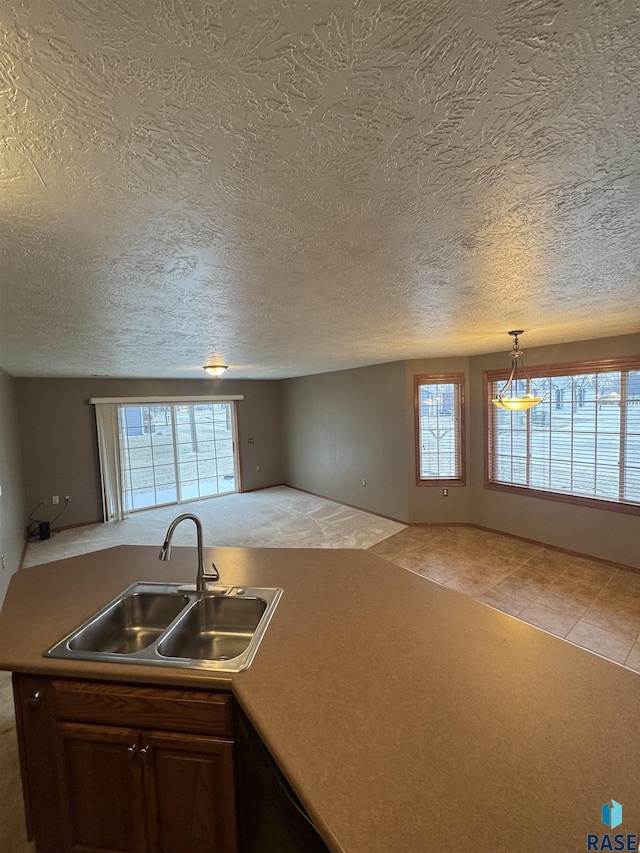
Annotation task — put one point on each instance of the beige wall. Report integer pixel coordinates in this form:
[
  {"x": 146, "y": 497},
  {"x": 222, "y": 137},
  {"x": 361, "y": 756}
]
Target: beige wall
[
  {"x": 12, "y": 514},
  {"x": 427, "y": 503},
  {"x": 607, "y": 534},
  {"x": 60, "y": 444},
  {"x": 345, "y": 427}
]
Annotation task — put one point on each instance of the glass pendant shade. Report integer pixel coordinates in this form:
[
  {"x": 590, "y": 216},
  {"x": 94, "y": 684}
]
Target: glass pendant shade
[
  {"x": 215, "y": 369},
  {"x": 515, "y": 404}
]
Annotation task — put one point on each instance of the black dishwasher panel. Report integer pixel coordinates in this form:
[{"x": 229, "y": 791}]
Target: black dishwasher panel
[{"x": 272, "y": 819}]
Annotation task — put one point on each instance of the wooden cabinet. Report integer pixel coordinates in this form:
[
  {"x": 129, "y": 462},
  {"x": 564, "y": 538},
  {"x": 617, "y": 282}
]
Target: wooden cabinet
[
  {"x": 39, "y": 766},
  {"x": 103, "y": 781},
  {"x": 135, "y": 769},
  {"x": 190, "y": 793}
]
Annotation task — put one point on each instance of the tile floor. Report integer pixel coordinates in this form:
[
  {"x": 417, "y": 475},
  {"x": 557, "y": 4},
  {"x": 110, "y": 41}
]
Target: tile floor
[{"x": 583, "y": 601}]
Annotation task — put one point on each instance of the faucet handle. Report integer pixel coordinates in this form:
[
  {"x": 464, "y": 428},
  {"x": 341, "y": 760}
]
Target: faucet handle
[{"x": 213, "y": 575}]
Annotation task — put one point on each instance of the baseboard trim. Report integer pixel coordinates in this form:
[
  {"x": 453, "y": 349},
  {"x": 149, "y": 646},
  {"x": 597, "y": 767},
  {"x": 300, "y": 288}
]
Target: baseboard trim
[
  {"x": 262, "y": 488},
  {"x": 343, "y": 503},
  {"x": 582, "y": 555},
  {"x": 73, "y": 526}
]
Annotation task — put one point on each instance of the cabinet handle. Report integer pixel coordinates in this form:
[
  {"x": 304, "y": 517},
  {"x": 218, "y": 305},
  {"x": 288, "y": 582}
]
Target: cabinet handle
[
  {"x": 35, "y": 700},
  {"x": 131, "y": 749},
  {"x": 145, "y": 751}
]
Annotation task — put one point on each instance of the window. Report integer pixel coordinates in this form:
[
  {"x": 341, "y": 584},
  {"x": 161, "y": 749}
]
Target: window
[
  {"x": 174, "y": 453},
  {"x": 581, "y": 444},
  {"x": 439, "y": 414},
  {"x": 155, "y": 451}
]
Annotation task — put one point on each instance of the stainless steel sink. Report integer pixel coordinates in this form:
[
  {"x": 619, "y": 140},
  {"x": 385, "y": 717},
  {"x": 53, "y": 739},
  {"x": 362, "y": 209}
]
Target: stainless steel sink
[
  {"x": 132, "y": 623},
  {"x": 174, "y": 625},
  {"x": 215, "y": 628}
]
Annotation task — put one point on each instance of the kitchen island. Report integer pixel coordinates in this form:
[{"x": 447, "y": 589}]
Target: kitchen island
[{"x": 405, "y": 716}]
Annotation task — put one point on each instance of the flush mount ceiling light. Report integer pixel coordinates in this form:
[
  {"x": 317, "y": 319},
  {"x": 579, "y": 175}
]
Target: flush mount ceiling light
[
  {"x": 215, "y": 369},
  {"x": 516, "y": 404}
]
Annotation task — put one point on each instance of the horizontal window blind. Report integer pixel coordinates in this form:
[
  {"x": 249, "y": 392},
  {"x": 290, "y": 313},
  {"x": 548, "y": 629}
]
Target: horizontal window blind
[
  {"x": 582, "y": 441},
  {"x": 439, "y": 407}
]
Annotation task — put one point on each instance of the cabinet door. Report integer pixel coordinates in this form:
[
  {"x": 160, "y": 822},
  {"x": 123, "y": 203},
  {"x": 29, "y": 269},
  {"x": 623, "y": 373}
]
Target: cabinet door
[
  {"x": 191, "y": 793},
  {"x": 104, "y": 787},
  {"x": 35, "y": 720}
]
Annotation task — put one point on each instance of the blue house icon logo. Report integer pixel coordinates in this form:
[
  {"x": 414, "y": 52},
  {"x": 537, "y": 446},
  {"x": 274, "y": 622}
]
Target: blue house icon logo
[{"x": 612, "y": 814}]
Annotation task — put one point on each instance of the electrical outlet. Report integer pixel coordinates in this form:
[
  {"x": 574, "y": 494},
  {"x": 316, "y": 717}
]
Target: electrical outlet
[
  {"x": 445, "y": 493},
  {"x": 4, "y": 565},
  {"x": 67, "y": 498},
  {"x": 257, "y": 467},
  {"x": 364, "y": 482},
  {"x": 55, "y": 499}
]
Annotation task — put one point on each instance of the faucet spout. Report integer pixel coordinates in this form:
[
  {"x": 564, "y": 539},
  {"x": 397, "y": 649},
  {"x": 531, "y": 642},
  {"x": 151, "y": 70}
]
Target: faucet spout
[{"x": 165, "y": 551}]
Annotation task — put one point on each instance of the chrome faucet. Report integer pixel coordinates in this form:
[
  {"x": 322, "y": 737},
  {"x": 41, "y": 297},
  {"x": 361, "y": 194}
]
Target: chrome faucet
[{"x": 165, "y": 552}]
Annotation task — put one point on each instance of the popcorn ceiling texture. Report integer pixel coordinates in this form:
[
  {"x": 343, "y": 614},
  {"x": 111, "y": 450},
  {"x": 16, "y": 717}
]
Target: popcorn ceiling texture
[{"x": 304, "y": 186}]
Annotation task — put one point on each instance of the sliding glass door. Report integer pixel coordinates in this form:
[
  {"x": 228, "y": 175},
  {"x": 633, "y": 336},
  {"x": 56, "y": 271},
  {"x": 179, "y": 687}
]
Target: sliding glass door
[
  {"x": 177, "y": 452},
  {"x": 204, "y": 450}
]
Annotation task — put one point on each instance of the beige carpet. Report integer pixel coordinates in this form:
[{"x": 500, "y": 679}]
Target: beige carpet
[
  {"x": 278, "y": 517},
  {"x": 7, "y": 717}
]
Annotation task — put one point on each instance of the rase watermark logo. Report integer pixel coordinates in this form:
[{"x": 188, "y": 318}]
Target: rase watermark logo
[{"x": 611, "y": 816}]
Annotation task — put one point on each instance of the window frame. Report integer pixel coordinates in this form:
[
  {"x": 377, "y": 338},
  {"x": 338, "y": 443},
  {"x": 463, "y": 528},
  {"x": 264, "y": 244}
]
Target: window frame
[
  {"x": 622, "y": 364},
  {"x": 110, "y": 451},
  {"x": 441, "y": 379},
  {"x": 180, "y": 483}
]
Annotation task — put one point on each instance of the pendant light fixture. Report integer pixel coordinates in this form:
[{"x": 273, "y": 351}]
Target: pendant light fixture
[
  {"x": 215, "y": 369},
  {"x": 511, "y": 403}
]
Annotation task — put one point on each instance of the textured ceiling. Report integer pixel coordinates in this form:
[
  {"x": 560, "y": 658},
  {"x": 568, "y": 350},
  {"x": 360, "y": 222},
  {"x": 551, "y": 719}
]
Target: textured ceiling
[{"x": 305, "y": 186}]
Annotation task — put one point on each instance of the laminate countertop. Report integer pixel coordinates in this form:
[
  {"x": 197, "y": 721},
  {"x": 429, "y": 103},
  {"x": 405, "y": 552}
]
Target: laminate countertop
[{"x": 406, "y": 716}]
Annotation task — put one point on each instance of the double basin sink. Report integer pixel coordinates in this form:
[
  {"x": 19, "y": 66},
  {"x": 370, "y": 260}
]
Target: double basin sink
[{"x": 174, "y": 625}]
